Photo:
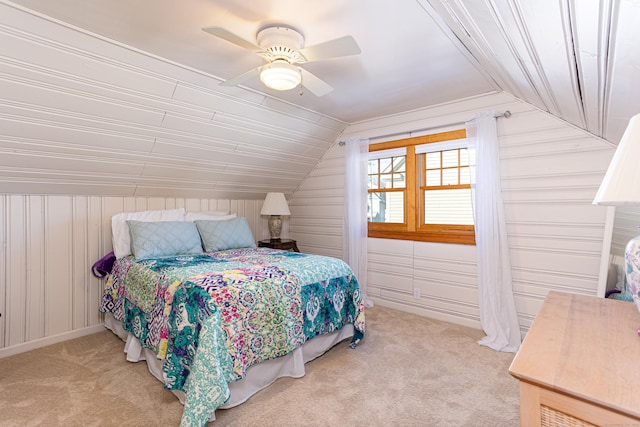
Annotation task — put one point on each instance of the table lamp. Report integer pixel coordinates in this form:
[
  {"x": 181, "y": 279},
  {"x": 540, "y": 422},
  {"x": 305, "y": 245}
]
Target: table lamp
[
  {"x": 275, "y": 205},
  {"x": 621, "y": 187}
]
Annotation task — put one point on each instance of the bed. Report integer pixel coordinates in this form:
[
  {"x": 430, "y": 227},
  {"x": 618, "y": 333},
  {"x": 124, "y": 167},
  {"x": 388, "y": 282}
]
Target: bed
[{"x": 216, "y": 326}]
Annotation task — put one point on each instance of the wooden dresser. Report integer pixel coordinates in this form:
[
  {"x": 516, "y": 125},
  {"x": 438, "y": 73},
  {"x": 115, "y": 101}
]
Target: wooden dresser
[{"x": 579, "y": 364}]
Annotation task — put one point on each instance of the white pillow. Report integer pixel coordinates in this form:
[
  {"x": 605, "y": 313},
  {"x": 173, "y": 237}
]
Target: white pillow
[
  {"x": 209, "y": 216},
  {"x": 122, "y": 239},
  {"x": 215, "y": 213}
]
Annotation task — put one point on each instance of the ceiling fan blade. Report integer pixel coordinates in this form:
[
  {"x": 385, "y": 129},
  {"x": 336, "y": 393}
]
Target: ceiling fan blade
[
  {"x": 241, "y": 78},
  {"x": 314, "y": 84},
  {"x": 343, "y": 46},
  {"x": 230, "y": 37}
]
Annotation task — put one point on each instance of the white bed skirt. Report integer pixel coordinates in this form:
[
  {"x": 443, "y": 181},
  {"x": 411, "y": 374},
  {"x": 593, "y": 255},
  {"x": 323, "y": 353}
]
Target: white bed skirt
[{"x": 258, "y": 376}]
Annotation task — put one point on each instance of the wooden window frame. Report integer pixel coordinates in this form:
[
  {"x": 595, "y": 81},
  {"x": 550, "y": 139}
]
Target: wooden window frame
[{"x": 412, "y": 229}]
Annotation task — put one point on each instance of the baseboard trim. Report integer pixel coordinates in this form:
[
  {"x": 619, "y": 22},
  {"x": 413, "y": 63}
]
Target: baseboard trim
[
  {"x": 54, "y": 339},
  {"x": 426, "y": 312}
]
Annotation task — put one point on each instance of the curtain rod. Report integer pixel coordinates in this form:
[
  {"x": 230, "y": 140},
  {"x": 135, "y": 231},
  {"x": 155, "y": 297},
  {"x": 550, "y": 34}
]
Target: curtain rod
[{"x": 506, "y": 115}]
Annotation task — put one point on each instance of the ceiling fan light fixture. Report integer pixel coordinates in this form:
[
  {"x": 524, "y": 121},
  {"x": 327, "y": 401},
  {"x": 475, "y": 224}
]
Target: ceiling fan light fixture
[{"x": 280, "y": 75}]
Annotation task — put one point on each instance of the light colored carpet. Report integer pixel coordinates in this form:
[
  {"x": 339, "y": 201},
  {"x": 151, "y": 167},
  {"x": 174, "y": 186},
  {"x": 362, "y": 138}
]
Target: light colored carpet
[{"x": 408, "y": 371}]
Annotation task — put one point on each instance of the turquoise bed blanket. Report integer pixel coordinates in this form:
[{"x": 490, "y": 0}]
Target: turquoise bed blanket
[{"x": 211, "y": 316}]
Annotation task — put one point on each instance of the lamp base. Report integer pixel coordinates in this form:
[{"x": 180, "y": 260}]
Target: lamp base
[
  {"x": 275, "y": 227},
  {"x": 632, "y": 269}
]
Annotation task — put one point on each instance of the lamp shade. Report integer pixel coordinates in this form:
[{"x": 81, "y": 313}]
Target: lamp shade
[
  {"x": 621, "y": 183},
  {"x": 280, "y": 75},
  {"x": 275, "y": 204}
]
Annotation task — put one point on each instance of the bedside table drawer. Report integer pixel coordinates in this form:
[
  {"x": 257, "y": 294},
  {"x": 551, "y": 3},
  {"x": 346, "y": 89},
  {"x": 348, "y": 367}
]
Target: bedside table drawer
[{"x": 283, "y": 244}]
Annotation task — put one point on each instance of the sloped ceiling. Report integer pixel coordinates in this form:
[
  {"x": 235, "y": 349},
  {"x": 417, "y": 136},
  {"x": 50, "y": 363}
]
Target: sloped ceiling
[
  {"x": 122, "y": 97},
  {"x": 574, "y": 59},
  {"x": 406, "y": 60}
]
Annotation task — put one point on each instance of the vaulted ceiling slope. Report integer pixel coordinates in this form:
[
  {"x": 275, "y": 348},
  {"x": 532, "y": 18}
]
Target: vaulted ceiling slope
[
  {"x": 575, "y": 59},
  {"x": 101, "y": 97},
  {"x": 81, "y": 115}
]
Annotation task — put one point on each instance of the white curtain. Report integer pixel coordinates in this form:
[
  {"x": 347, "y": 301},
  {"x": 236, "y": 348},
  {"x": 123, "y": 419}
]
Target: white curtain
[
  {"x": 354, "y": 232},
  {"x": 498, "y": 315}
]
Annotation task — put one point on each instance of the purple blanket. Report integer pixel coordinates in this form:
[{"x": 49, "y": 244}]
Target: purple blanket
[{"x": 103, "y": 266}]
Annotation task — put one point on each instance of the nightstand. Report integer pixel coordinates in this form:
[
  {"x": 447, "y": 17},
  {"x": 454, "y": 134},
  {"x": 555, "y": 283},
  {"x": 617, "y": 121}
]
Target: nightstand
[{"x": 284, "y": 244}]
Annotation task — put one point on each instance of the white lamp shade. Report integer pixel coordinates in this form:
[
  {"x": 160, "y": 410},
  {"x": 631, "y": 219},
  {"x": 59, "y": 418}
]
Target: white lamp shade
[
  {"x": 275, "y": 204},
  {"x": 280, "y": 75},
  {"x": 621, "y": 183}
]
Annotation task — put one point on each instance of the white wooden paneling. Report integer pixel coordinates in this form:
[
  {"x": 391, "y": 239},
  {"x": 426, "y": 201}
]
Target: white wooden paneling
[
  {"x": 35, "y": 267},
  {"x": 79, "y": 261},
  {"x": 21, "y": 129},
  {"x": 49, "y": 243},
  {"x": 82, "y": 115},
  {"x": 390, "y": 266},
  {"x": 63, "y": 59},
  {"x": 4, "y": 276},
  {"x": 97, "y": 244},
  {"x": 550, "y": 173},
  {"x": 572, "y": 59},
  {"x": 317, "y": 209},
  {"x": 58, "y": 241},
  {"x": 618, "y": 66},
  {"x": 20, "y": 91},
  {"x": 276, "y": 120},
  {"x": 16, "y": 271},
  {"x": 12, "y": 70},
  {"x": 625, "y": 227},
  {"x": 36, "y": 162}
]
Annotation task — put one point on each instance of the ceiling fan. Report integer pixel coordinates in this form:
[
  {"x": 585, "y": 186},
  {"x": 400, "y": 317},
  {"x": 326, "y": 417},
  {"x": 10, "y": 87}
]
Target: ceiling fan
[{"x": 283, "y": 49}]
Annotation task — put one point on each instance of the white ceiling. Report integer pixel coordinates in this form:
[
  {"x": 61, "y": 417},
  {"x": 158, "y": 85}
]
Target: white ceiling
[
  {"x": 407, "y": 62},
  {"x": 575, "y": 59}
]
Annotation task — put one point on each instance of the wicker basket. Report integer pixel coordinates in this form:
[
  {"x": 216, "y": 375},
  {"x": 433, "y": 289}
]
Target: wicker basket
[{"x": 552, "y": 418}]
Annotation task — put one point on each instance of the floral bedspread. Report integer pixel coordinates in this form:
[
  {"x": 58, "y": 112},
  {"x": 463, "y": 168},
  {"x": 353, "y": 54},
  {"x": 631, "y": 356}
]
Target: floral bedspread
[{"x": 217, "y": 314}]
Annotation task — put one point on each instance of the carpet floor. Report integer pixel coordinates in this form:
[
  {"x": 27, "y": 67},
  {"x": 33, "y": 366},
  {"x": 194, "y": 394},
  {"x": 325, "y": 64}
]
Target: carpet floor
[{"x": 408, "y": 371}]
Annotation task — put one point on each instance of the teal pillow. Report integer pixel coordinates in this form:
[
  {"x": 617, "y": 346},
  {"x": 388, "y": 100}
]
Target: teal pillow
[
  {"x": 228, "y": 234},
  {"x": 163, "y": 238}
]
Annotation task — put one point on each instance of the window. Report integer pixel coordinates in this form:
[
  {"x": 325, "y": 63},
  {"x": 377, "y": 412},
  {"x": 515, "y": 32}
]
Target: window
[
  {"x": 387, "y": 186},
  {"x": 419, "y": 189}
]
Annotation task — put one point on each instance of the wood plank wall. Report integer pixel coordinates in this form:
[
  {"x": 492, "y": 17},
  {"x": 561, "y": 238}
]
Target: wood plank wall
[
  {"x": 550, "y": 174},
  {"x": 49, "y": 242},
  {"x": 87, "y": 116},
  {"x": 625, "y": 227}
]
